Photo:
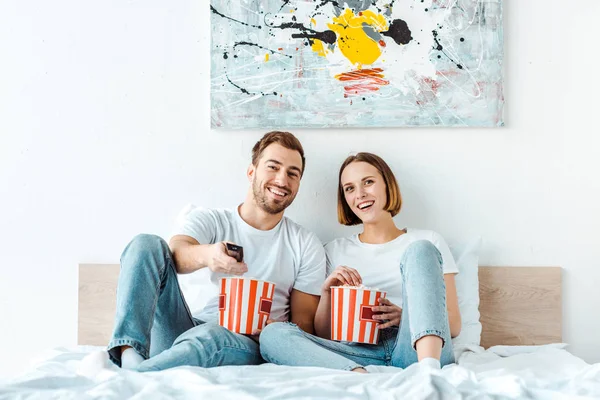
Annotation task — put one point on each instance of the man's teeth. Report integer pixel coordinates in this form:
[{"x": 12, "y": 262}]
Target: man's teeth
[
  {"x": 365, "y": 205},
  {"x": 277, "y": 192}
]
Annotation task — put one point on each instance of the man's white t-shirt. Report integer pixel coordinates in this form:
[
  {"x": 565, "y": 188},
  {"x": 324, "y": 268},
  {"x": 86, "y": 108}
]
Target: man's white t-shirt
[
  {"x": 288, "y": 255},
  {"x": 379, "y": 264}
]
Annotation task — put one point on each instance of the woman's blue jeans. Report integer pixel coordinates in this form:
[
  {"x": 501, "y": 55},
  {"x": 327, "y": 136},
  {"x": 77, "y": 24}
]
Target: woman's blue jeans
[
  {"x": 424, "y": 313},
  {"x": 153, "y": 318}
]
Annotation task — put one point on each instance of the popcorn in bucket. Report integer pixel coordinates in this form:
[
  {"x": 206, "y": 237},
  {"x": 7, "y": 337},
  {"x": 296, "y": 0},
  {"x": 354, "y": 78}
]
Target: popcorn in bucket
[
  {"x": 352, "y": 314},
  {"x": 244, "y": 304}
]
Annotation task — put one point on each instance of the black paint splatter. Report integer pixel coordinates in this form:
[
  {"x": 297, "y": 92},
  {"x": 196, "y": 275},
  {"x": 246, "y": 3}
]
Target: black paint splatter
[
  {"x": 245, "y": 91},
  {"x": 285, "y": 3},
  {"x": 399, "y": 31},
  {"x": 325, "y": 2},
  {"x": 306, "y": 33},
  {"x": 259, "y": 46},
  {"x": 439, "y": 47},
  {"x": 327, "y": 36},
  {"x": 233, "y": 19}
]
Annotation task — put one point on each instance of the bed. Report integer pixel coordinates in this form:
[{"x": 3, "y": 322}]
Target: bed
[{"x": 521, "y": 356}]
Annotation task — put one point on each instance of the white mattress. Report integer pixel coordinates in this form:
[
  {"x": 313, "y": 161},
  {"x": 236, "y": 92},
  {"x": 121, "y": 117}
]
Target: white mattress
[{"x": 544, "y": 372}]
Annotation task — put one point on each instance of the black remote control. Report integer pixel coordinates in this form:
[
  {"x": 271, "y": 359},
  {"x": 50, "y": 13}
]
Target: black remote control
[{"x": 235, "y": 251}]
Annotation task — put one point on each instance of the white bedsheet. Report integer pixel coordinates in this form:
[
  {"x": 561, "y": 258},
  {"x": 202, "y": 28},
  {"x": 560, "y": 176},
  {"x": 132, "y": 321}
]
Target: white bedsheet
[{"x": 544, "y": 372}]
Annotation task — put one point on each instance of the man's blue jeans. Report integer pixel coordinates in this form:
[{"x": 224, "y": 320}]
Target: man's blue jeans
[
  {"x": 153, "y": 318},
  {"x": 424, "y": 313}
]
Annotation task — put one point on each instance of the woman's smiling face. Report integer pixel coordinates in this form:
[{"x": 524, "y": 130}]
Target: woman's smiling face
[{"x": 364, "y": 190}]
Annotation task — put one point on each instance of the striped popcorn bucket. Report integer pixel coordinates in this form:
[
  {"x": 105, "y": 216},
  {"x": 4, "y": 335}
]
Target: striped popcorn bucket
[
  {"x": 244, "y": 304},
  {"x": 352, "y": 314}
]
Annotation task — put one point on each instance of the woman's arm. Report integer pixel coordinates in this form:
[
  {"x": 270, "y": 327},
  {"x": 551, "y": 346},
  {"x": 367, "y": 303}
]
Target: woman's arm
[{"x": 452, "y": 305}]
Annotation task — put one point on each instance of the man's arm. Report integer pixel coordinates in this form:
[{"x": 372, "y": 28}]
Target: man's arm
[
  {"x": 190, "y": 256},
  {"x": 452, "y": 305},
  {"x": 303, "y": 307}
]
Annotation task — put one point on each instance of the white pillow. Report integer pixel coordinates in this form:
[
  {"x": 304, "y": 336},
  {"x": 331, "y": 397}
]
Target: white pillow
[{"x": 466, "y": 255}]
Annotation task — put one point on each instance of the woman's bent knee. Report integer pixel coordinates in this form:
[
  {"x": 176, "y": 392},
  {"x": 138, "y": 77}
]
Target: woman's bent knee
[
  {"x": 421, "y": 253},
  {"x": 422, "y": 247}
]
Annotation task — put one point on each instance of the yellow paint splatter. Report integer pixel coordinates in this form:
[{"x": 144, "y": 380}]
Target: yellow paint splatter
[
  {"x": 319, "y": 47},
  {"x": 266, "y": 57},
  {"x": 353, "y": 41}
]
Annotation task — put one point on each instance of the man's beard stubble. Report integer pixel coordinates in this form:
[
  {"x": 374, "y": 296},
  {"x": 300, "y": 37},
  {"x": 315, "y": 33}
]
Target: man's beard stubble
[{"x": 261, "y": 200}]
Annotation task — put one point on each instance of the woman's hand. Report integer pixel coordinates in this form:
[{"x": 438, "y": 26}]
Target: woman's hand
[
  {"x": 342, "y": 275},
  {"x": 387, "y": 311}
]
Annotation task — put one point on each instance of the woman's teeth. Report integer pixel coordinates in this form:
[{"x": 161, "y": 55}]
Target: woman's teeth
[{"x": 365, "y": 205}]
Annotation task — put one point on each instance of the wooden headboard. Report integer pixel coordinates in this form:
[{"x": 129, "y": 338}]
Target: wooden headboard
[{"x": 518, "y": 305}]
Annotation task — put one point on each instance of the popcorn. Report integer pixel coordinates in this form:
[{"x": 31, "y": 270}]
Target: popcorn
[{"x": 361, "y": 286}]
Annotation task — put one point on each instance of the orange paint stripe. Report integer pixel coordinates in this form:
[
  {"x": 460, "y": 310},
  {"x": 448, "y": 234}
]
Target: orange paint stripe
[
  {"x": 333, "y": 297},
  {"x": 352, "y": 312},
  {"x": 368, "y": 79},
  {"x": 240, "y": 297},
  {"x": 231, "y": 299},
  {"x": 360, "y": 74},
  {"x": 222, "y": 312},
  {"x": 340, "y": 310},
  {"x": 363, "y": 325},
  {"x": 251, "y": 302}
]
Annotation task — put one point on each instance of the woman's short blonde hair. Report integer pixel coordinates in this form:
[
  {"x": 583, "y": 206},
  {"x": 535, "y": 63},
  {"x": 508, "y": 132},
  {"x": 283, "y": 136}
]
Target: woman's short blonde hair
[{"x": 394, "y": 199}]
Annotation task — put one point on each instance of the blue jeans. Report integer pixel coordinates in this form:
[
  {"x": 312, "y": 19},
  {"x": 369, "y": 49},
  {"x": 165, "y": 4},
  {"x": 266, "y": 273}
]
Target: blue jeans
[
  {"x": 424, "y": 313},
  {"x": 153, "y": 318}
]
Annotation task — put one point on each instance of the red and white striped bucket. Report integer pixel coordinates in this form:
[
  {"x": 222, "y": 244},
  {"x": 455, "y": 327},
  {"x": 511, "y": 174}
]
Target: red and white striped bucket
[
  {"x": 352, "y": 314},
  {"x": 244, "y": 304}
]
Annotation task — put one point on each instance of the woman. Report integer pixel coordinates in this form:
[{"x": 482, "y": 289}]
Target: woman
[{"x": 415, "y": 268}]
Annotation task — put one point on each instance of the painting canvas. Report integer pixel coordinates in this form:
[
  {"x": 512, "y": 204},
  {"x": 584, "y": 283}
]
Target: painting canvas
[{"x": 356, "y": 63}]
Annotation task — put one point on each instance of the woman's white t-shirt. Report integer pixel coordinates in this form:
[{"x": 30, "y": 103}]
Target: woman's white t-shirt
[{"x": 379, "y": 264}]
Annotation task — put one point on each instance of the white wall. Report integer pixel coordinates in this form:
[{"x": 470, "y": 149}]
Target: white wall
[{"x": 104, "y": 133}]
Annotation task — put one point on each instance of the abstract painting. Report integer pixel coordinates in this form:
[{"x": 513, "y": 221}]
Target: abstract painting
[{"x": 356, "y": 63}]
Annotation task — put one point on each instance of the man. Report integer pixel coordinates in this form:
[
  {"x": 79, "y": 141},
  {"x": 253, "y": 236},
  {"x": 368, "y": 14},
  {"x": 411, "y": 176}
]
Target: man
[{"x": 154, "y": 329}]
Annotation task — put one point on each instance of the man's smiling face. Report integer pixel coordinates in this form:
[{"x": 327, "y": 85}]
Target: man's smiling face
[{"x": 276, "y": 178}]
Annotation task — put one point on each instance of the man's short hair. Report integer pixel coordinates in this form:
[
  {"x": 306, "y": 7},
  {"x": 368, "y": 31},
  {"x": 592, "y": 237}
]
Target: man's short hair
[
  {"x": 394, "y": 200},
  {"x": 284, "y": 139}
]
